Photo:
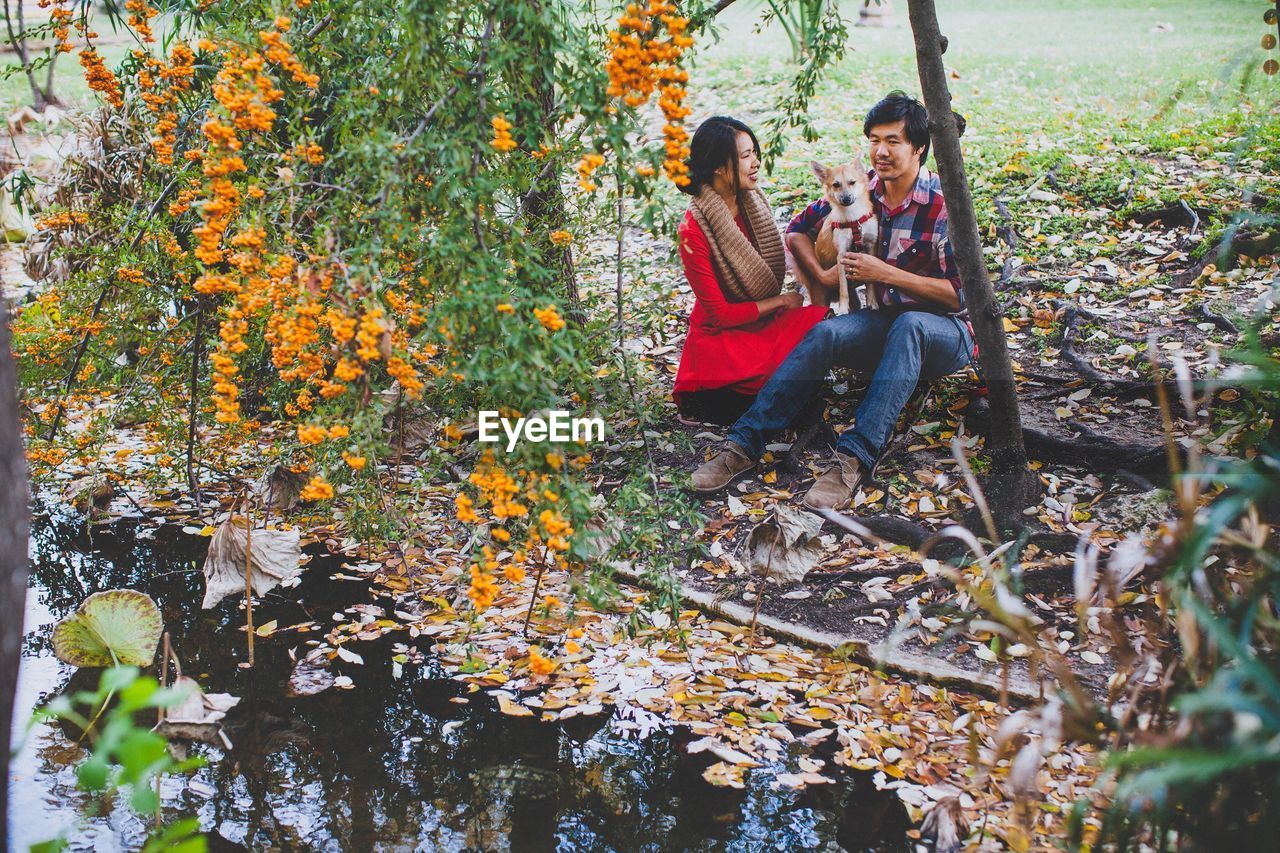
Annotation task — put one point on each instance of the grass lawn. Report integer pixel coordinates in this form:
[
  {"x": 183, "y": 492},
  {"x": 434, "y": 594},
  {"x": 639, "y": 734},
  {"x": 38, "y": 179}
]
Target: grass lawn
[
  {"x": 69, "y": 84},
  {"x": 1031, "y": 76}
]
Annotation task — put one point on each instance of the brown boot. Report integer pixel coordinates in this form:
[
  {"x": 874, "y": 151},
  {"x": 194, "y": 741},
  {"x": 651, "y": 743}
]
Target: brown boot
[
  {"x": 835, "y": 487},
  {"x": 721, "y": 470}
]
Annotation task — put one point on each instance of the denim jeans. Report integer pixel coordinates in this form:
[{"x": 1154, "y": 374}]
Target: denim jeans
[{"x": 901, "y": 349}]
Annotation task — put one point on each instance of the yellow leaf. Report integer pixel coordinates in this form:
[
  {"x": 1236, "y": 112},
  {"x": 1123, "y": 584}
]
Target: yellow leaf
[
  {"x": 771, "y": 477},
  {"x": 821, "y": 713},
  {"x": 1009, "y": 325},
  {"x": 266, "y": 629},
  {"x": 894, "y": 770},
  {"x": 513, "y": 708}
]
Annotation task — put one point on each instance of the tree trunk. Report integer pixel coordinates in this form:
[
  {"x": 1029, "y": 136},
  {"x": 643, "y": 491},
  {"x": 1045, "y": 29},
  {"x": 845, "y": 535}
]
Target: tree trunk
[
  {"x": 1011, "y": 486},
  {"x": 13, "y": 555}
]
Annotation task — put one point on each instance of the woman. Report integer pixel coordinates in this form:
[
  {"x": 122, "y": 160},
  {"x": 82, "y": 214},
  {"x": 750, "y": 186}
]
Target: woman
[{"x": 742, "y": 325}]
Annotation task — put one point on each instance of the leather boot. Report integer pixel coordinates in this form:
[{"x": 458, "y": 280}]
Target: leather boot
[
  {"x": 834, "y": 488},
  {"x": 721, "y": 470}
]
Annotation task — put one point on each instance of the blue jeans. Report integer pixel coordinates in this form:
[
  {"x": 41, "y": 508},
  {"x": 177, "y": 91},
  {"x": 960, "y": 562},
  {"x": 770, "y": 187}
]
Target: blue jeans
[{"x": 901, "y": 349}]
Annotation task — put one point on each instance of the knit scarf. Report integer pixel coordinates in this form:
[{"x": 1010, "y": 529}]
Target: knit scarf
[{"x": 751, "y": 269}]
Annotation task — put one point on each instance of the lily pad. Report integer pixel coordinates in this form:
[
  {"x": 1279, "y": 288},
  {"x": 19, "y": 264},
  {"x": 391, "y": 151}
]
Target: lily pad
[{"x": 117, "y": 626}]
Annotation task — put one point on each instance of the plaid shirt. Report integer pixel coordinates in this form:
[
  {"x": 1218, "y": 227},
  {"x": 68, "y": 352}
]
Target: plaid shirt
[{"x": 913, "y": 236}]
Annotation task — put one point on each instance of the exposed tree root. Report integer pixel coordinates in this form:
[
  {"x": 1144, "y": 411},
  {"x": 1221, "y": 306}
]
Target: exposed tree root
[
  {"x": 1239, "y": 239},
  {"x": 1179, "y": 215},
  {"x": 1090, "y": 450},
  {"x": 914, "y": 665},
  {"x": 1081, "y": 364},
  {"x": 1222, "y": 321}
]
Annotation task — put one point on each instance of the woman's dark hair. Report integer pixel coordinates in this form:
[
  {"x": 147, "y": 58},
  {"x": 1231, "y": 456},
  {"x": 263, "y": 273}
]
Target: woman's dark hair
[
  {"x": 714, "y": 144},
  {"x": 898, "y": 106}
]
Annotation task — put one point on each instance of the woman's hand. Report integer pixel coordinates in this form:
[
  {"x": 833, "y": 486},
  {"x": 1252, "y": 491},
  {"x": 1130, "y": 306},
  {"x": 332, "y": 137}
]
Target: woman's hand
[{"x": 790, "y": 299}]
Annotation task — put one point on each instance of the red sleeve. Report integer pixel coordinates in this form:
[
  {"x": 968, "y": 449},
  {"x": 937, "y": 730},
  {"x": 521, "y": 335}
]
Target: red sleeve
[{"x": 695, "y": 254}]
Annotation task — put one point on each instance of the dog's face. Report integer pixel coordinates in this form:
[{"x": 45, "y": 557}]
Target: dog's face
[{"x": 844, "y": 184}]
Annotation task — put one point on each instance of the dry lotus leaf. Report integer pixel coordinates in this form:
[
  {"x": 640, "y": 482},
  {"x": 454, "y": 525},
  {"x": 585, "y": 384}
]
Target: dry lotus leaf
[
  {"x": 279, "y": 488},
  {"x": 785, "y": 545},
  {"x": 117, "y": 626},
  {"x": 412, "y": 427},
  {"x": 197, "y": 716},
  {"x": 310, "y": 676},
  {"x": 275, "y": 557}
]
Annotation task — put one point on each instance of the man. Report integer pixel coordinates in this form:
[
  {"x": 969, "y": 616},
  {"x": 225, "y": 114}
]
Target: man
[{"x": 917, "y": 333}]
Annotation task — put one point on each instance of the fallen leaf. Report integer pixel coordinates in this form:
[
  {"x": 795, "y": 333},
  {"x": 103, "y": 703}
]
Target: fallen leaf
[
  {"x": 785, "y": 545},
  {"x": 724, "y": 775},
  {"x": 514, "y": 709},
  {"x": 725, "y": 753},
  {"x": 348, "y": 655},
  {"x": 196, "y": 717}
]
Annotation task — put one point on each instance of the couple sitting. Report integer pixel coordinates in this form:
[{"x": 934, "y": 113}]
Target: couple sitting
[{"x": 755, "y": 357}]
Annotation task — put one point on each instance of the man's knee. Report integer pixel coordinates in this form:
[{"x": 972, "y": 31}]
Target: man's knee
[
  {"x": 909, "y": 329},
  {"x": 821, "y": 338},
  {"x": 911, "y": 323}
]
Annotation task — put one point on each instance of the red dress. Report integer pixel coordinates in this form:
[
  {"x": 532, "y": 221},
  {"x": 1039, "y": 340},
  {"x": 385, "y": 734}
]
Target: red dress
[{"x": 729, "y": 344}]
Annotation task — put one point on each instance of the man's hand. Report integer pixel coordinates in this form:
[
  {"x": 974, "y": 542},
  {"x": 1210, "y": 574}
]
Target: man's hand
[
  {"x": 792, "y": 299},
  {"x": 869, "y": 268},
  {"x": 860, "y": 266}
]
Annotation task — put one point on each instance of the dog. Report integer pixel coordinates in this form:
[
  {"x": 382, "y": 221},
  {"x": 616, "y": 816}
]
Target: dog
[{"x": 845, "y": 187}]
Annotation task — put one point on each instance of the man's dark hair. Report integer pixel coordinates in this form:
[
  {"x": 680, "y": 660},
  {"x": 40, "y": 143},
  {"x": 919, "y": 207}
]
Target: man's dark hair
[
  {"x": 898, "y": 106},
  {"x": 714, "y": 144}
]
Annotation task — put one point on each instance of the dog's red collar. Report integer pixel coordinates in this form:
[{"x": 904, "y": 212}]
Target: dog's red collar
[{"x": 857, "y": 223}]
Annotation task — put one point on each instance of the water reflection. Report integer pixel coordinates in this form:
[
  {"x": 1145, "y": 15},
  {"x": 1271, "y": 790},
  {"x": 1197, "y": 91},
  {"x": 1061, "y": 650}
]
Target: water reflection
[{"x": 394, "y": 764}]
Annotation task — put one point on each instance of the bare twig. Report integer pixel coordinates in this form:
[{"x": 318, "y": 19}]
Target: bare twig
[
  {"x": 193, "y": 409},
  {"x": 248, "y": 577},
  {"x": 1195, "y": 217},
  {"x": 975, "y": 491}
]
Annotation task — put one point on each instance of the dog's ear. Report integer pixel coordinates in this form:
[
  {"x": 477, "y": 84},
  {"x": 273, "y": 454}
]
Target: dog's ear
[
  {"x": 858, "y": 168},
  {"x": 820, "y": 171}
]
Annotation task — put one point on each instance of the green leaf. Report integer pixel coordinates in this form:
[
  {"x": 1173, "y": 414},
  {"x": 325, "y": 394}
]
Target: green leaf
[
  {"x": 117, "y": 678},
  {"x": 144, "y": 799},
  {"x": 138, "y": 753},
  {"x": 92, "y": 773},
  {"x": 182, "y": 836},
  {"x": 119, "y": 626}
]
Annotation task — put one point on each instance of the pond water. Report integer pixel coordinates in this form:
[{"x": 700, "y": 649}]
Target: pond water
[{"x": 393, "y": 764}]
